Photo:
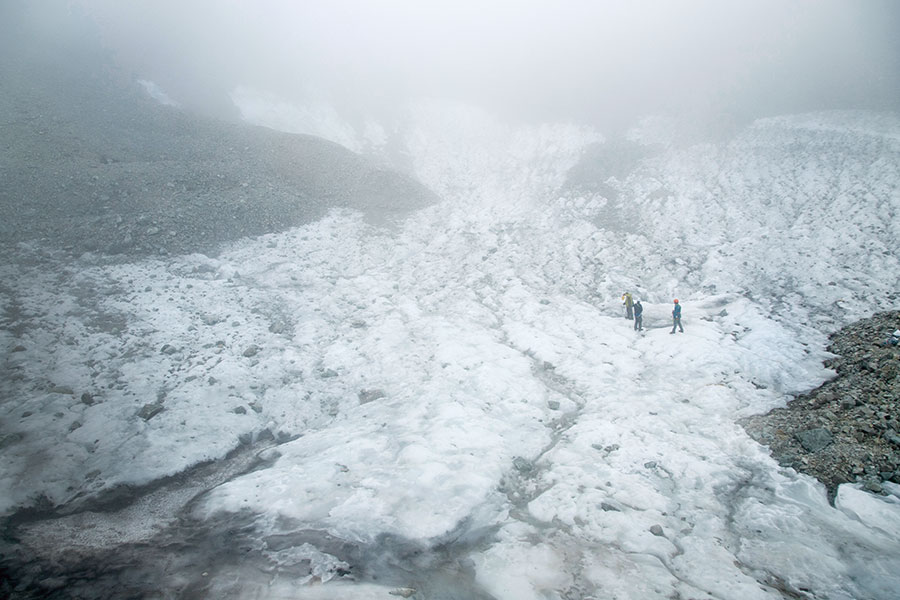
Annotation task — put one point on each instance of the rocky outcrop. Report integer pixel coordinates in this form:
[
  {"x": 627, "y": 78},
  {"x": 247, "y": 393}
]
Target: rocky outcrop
[{"x": 847, "y": 430}]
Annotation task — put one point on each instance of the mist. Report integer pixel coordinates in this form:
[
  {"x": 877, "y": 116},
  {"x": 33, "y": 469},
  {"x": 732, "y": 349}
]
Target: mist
[{"x": 599, "y": 63}]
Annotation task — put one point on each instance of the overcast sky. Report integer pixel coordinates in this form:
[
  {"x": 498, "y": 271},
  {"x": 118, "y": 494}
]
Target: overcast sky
[{"x": 592, "y": 61}]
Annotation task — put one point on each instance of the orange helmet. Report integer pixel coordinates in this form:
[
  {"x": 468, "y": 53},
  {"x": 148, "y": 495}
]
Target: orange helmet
[{"x": 676, "y": 300}]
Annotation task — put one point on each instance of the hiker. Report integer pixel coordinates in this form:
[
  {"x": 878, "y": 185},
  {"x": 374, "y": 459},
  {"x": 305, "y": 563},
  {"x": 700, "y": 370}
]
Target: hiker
[
  {"x": 676, "y": 317},
  {"x": 626, "y": 300},
  {"x": 638, "y": 316}
]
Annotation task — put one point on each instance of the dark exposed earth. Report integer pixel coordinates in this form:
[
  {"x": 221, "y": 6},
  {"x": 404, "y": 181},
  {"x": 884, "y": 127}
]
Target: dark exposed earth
[{"x": 848, "y": 429}]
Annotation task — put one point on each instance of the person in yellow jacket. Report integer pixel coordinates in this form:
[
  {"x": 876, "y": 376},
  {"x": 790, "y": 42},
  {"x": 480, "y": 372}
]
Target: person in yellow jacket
[{"x": 629, "y": 304}]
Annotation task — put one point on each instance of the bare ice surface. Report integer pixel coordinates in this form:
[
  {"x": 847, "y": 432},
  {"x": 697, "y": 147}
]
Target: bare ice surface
[{"x": 455, "y": 406}]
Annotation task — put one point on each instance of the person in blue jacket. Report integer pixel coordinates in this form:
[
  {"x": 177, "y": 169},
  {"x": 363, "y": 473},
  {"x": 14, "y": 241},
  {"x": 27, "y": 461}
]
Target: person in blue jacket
[{"x": 676, "y": 317}]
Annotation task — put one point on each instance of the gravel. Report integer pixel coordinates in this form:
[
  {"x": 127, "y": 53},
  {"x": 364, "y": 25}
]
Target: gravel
[
  {"x": 848, "y": 429},
  {"x": 90, "y": 163}
]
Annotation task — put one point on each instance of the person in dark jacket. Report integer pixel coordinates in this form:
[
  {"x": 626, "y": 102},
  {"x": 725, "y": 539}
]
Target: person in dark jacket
[
  {"x": 638, "y": 316},
  {"x": 676, "y": 317}
]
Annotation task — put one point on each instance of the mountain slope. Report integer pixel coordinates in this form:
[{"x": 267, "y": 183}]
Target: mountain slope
[{"x": 89, "y": 163}]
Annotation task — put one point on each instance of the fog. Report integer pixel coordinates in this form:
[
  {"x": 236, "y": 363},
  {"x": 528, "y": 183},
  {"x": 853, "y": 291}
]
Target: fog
[{"x": 601, "y": 63}]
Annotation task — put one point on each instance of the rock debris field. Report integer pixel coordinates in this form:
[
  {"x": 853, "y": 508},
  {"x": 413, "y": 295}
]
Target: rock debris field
[{"x": 848, "y": 429}]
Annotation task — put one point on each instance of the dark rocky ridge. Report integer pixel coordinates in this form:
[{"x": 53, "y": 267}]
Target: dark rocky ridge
[
  {"x": 90, "y": 163},
  {"x": 848, "y": 429}
]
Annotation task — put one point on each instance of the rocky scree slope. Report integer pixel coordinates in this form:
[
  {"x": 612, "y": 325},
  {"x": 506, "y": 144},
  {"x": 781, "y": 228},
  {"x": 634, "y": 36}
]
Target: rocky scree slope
[
  {"x": 848, "y": 429},
  {"x": 89, "y": 163}
]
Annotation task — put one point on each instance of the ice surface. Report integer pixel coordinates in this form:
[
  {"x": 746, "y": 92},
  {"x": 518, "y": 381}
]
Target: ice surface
[{"x": 471, "y": 370}]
